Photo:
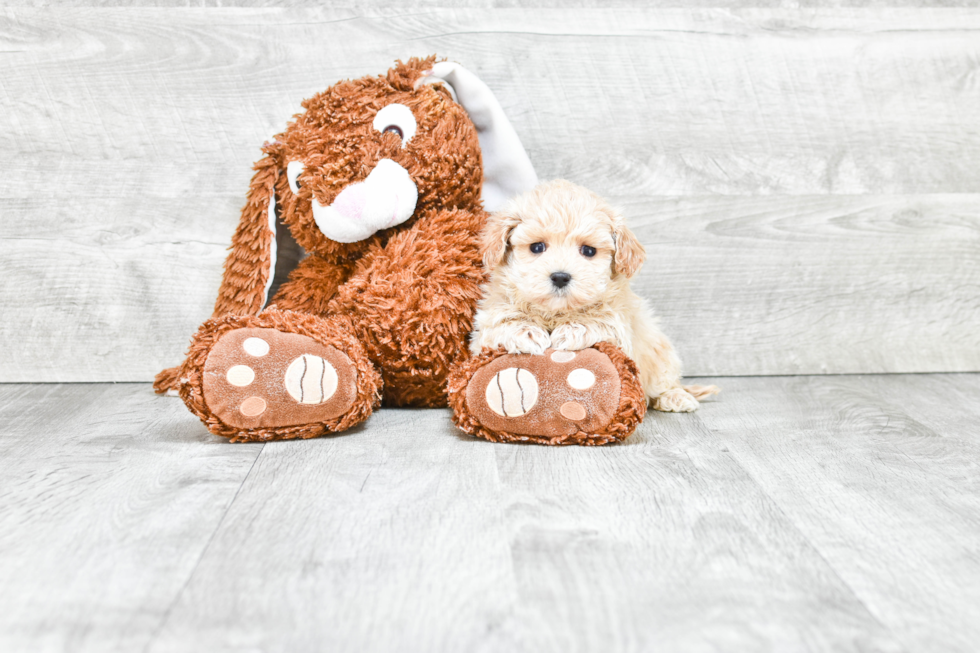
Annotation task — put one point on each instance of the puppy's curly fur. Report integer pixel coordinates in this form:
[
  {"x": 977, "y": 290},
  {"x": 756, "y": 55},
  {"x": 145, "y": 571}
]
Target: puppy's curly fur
[{"x": 560, "y": 261}]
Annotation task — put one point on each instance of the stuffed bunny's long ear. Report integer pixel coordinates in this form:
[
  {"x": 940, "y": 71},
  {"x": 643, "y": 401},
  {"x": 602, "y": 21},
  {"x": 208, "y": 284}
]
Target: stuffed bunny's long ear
[
  {"x": 507, "y": 170},
  {"x": 251, "y": 264}
]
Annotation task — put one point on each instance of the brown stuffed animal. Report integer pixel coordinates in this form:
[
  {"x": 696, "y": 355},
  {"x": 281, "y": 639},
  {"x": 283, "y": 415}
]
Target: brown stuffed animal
[{"x": 380, "y": 182}]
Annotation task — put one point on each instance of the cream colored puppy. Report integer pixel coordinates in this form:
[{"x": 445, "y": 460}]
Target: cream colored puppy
[{"x": 560, "y": 260}]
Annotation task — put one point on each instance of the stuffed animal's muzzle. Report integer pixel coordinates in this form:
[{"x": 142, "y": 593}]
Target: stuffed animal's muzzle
[{"x": 385, "y": 199}]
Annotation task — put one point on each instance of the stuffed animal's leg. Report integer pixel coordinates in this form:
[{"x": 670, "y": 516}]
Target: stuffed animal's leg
[
  {"x": 278, "y": 375},
  {"x": 310, "y": 287},
  {"x": 592, "y": 396},
  {"x": 166, "y": 380}
]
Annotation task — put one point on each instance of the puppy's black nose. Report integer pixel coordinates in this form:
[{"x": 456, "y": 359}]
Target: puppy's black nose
[{"x": 560, "y": 279}]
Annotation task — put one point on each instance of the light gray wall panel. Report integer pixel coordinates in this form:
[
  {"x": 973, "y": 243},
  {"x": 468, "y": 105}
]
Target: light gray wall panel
[
  {"x": 414, "y": 5},
  {"x": 806, "y": 182},
  {"x": 815, "y": 284}
]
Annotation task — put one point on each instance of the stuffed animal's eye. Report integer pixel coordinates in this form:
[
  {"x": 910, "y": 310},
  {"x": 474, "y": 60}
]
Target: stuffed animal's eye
[
  {"x": 397, "y": 119},
  {"x": 293, "y": 170},
  {"x": 587, "y": 251},
  {"x": 538, "y": 248}
]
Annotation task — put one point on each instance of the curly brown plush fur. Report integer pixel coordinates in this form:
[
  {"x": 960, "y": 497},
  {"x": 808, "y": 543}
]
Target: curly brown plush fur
[
  {"x": 632, "y": 403},
  {"x": 407, "y": 294}
]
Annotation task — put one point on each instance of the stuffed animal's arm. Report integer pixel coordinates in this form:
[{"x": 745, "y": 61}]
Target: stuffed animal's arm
[
  {"x": 430, "y": 271},
  {"x": 312, "y": 285}
]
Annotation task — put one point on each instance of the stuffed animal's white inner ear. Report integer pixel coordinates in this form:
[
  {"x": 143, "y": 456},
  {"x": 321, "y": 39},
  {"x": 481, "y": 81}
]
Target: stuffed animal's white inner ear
[
  {"x": 507, "y": 170},
  {"x": 293, "y": 171},
  {"x": 273, "y": 249},
  {"x": 436, "y": 80}
]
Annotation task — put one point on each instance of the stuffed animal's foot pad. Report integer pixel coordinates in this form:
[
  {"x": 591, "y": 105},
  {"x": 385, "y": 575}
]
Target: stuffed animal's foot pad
[
  {"x": 554, "y": 395},
  {"x": 592, "y": 396},
  {"x": 264, "y": 378}
]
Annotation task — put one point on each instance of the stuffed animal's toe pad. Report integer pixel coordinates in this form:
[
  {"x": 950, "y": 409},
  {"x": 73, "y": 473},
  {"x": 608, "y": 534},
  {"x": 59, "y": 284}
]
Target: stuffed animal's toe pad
[{"x": 264, "y": 378}]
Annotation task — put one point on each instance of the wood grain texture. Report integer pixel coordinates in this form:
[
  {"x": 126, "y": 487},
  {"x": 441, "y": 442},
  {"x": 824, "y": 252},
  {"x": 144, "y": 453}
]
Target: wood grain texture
[
  {"x": 887, "y": 468},
  {"x": 390, "y": 5},
  {"x": 805, "y": 513},
  {"x": 822, "y": 167},
  {"x": 109, "y": 501},
  {"x": 824, "y": 284}
]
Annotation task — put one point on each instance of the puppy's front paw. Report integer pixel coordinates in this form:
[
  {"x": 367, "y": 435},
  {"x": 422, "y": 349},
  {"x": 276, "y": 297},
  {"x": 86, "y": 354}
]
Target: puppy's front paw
[
  {"x": 526, "y": 339},
  {"x": 573, "y": 337},
  {"x": 676, "y": 400}
]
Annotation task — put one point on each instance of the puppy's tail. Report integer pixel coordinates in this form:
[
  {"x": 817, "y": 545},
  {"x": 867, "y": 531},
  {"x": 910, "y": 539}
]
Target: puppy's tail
[{"x": 702, "y": 391}]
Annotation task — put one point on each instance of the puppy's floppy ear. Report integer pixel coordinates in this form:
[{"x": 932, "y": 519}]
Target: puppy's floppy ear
[
  {"x": 629, "y": 254},
  {"x": 495, "y": 237},
  {"x": 251, "y": 264}
]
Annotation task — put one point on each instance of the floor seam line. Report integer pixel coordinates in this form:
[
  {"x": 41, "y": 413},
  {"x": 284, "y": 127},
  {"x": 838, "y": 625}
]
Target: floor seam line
[
  {"x": 815, "y": 549},
  {"x": 686, "y": 376},
  {"x": 200, "y": 557}
]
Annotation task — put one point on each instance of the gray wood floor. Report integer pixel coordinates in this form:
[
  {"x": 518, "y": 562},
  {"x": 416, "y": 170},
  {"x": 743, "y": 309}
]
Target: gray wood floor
[{"x": 795, "y": 513}]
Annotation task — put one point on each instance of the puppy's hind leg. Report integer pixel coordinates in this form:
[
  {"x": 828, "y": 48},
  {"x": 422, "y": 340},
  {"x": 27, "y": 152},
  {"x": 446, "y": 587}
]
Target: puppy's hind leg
[
  {"x": 699, "y": 392},
  {"x": 683, "y": 399},
  {"x": 660, "y": 371}
]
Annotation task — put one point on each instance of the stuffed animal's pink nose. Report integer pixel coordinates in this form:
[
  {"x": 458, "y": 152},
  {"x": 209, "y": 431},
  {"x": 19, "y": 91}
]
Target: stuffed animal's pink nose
[
  {"x": 351, "y": 202},
  {"x": 386, "y": 198}
]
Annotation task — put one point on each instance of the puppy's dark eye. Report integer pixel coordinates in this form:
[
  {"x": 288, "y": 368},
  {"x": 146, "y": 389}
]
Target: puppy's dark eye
[
  {"x": 538, "y": 248},
  {"x": 587, "y": 251},
  {"x": 394, "y": 129}
]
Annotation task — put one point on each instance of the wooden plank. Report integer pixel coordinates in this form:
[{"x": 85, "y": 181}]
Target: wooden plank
[
  {"x": 743, "y": 285},
  {"x": 880, "y": 475},
  {"x": 804, "y": 513},
  {"x": 667, "y": 544},
  {"x": 415, "y": 5},
  {"x": 110, "y": 496},
  {"x": 384, "y": 538},
  {"x": 409, "y": 536},
  {"x": 815, "y": 284},
  {"x": 112, "y": 296},
  {"x": 130, "y": 133},
  {"x": 750, "y": 101}
]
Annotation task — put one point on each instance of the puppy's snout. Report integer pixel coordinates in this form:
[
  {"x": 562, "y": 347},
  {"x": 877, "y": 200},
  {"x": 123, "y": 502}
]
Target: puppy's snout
[{"x": 560, "y": 279}]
